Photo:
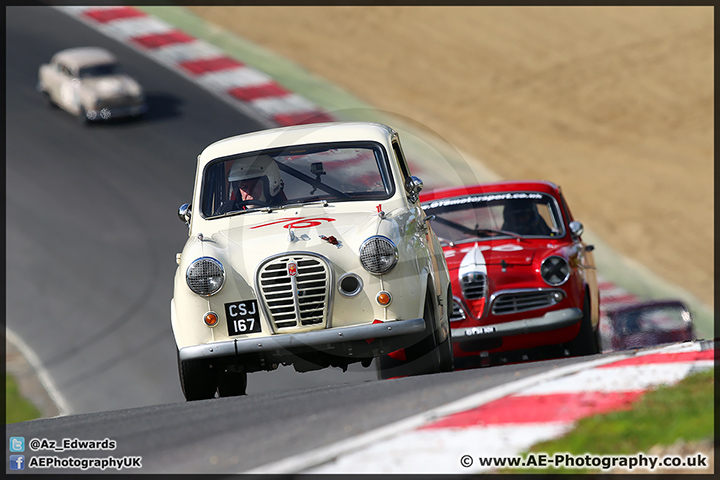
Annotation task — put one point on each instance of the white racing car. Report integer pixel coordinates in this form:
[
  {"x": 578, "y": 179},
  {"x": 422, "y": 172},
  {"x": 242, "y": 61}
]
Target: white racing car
[
  {"x": 87, "y": 82},
  {"x": 307, "y": 247}
]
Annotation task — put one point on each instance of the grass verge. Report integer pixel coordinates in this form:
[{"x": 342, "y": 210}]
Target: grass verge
[
  {"x": 662, "y": 416},
  {"x": 17, "y": 408}
]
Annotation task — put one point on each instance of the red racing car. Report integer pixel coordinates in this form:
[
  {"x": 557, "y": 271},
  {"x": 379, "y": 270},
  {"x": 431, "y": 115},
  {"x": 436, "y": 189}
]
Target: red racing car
[{"x": 524, "y": 283}]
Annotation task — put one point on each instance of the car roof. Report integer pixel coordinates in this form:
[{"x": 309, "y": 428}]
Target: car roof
[
  {"x": 542, "y": 186},
  {"x": 297, "y": 135},
  {"x": 75, "y": 58}
]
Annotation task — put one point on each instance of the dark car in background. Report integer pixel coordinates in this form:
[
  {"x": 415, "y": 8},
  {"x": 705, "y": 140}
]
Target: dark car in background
[{"x": 650, "y": 323}]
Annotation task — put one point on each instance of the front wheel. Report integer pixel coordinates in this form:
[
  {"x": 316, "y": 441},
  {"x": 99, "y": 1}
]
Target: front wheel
[
  {"x": 587, "y": 341},
  {"x": 49, "y": 99},
  {"x": 198, "y": 379},
  {"x": 447, "y": 359},
  {"x": 82, "y": 118},
  {"x": 426, "y": 356}
]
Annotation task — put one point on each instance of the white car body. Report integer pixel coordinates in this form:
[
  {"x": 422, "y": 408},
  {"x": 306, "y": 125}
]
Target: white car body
[
  {"x": 346, "y": 323},
  {"x": 86, "y": 82}
]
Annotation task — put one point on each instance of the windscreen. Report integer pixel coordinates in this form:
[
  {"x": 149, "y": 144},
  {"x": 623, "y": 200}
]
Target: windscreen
[
  {"x": 99, "y": 70},
  {"x": 493, "y": 215},
  {"x": 296, "y": 175}
]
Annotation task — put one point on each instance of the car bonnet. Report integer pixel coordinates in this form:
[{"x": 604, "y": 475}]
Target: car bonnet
[
  {"x": 304, "y": 230},
  {"x": 482, "y": 254}
]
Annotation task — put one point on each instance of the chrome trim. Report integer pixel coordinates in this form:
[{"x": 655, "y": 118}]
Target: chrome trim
[
  {"x": 327, "y": 323},
  {"x": 222, "y": 284},
  {"x": 287, "y": 341},
  {"x": 461, "y": 308},
  {"x": 475, "y": 278},
  {"x": 184, "y": 213},
  {"x": 550, "y": 321},
  {"x": 413, "y": 187},
  {"x": 576, "y": 228},
  {"x": 356, "y": 291},
  {"x": 491, "y": 301},
  {"x": 395, "y": 249}
]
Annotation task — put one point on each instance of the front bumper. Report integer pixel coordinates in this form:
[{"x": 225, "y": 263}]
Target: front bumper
[
  {"x": 550, "y": 321},
  {"x": 355, "y": 340}
]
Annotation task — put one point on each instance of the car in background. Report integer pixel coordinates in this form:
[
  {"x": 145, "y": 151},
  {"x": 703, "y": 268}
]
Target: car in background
[
  {"x": 650, "y": 323},
  {"x": 328, "y": 262},
  {"x": 88, "y": 83},
  {"x": 524, "y": 281}
]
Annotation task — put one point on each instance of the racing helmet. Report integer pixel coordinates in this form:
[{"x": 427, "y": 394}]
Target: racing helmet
[
  {"x": 520, "y": 214},
  {"x": 262, "y": 167}
]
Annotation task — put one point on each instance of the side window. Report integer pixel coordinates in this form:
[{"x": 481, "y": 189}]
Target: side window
[
  {"x": 566, "y": 210},
  {"x": 401, "y": 159}
]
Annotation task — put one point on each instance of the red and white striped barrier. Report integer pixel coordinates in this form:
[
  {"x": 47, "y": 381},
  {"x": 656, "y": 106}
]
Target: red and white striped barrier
[{"x": 203, "y": 63}]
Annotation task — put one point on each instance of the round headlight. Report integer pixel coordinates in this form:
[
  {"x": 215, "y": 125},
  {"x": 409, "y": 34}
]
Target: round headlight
[
  {"x": 555, "y": 270},
  {"x": 378, "y": 255},
  {"x": 205, "y": 276}
]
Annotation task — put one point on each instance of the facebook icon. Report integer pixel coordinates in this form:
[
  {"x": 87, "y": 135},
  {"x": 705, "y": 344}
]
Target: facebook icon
[{"x": 17, "y": 462}]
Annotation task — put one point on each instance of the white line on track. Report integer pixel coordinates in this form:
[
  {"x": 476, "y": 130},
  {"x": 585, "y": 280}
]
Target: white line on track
[{"x": 42, "y": 374}]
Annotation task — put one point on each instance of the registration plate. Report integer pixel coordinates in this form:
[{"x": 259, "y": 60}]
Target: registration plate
[{"x": 242, "y": 317}]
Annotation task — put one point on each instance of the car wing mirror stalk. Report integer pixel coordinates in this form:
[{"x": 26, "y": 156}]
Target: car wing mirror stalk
[
  {"x": 413, "y": 186},
  {"x": 184, "y": 213}
]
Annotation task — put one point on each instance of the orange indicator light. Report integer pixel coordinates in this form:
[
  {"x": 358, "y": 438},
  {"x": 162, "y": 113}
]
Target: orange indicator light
[
  {"x": 384, "y": 298},
  {"x": 211, "y": 319}
]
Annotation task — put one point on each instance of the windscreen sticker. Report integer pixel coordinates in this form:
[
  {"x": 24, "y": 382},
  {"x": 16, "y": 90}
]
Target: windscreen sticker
[{"x": 480, "y": 199}]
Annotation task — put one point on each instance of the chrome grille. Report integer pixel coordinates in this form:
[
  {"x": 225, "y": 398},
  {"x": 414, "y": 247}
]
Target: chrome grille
[
  {"x": 457, "y": 312},
  {"x": 473, "y": 285},
  {"x": 522, "y": 301},
  {"x": 295, "y": 300}
]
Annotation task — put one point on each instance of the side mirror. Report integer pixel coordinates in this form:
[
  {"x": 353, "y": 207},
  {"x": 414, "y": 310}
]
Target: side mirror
[
  {"x": 184, "y": 213},
  {"x": 413, "y": 186},
  {"x": 576, "y": 228}
]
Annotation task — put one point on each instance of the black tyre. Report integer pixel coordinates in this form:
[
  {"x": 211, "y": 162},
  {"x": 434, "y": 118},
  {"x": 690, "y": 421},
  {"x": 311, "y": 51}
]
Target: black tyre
[
  {"x": 587, "y": 341},
  {"x": 197, "y": 379},
  {"x": 231, "y": 384},
  {"x": 82, "y": 118},
  {"x": 422, "y": 358},
  {"x": 447, "y": 359},
  {"x": 50, "y": 101}
]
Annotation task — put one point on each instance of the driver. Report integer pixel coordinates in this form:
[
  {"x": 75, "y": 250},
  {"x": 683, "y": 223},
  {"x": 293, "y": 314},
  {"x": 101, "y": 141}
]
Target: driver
[
  {"x": 256, "y": 181},
  {"x": 521, "y": 216}
]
